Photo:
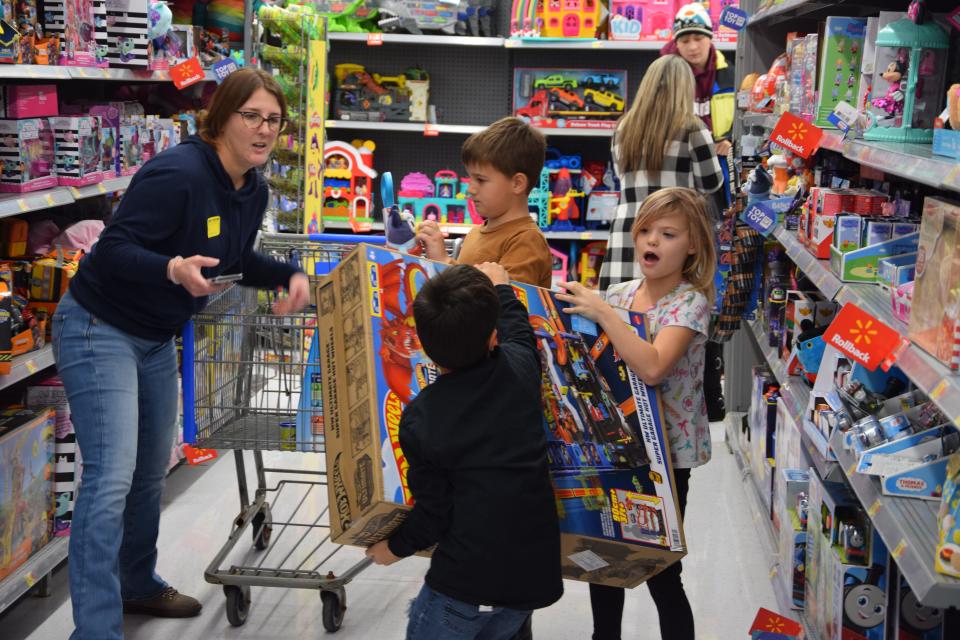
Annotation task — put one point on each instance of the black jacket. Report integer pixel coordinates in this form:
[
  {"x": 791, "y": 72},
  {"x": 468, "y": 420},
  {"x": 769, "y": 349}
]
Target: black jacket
[
  {"x": 478, "y": 473},
  {"x": 181, "y": 202}
]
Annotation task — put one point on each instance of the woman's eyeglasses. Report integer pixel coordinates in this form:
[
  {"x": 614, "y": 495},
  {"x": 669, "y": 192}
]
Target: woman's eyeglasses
[{"x": 253, "y": 120}]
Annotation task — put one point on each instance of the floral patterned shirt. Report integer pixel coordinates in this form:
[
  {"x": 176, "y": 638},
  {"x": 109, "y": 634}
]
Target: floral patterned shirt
[{"x": 681, "y": 392}]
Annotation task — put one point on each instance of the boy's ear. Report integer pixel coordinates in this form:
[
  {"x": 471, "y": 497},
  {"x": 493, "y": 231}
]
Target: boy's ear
[
  {"x": 493, "y": 340},
  {"x": 519, "y": 183}
]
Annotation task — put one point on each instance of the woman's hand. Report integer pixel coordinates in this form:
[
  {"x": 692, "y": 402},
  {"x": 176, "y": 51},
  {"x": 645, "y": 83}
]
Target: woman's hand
[
  {"x": 431, "y": 236},
  {"x": 298, "y": 295},
  {"x": 723, "y": 148},
  {"x": 585, "y": 302},
  {"x": 380, "y": 554},
  {"x": 186, "y": 273},
  {"x": 496, "y": 273}
]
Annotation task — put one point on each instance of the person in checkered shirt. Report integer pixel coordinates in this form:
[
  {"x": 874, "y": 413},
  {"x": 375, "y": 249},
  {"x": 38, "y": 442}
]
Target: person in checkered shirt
[{"x": 658, "y": 143}]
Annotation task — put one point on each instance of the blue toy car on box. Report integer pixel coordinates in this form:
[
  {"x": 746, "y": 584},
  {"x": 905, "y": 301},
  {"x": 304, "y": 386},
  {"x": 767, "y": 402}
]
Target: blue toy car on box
[{"x": 601, "y": 80}]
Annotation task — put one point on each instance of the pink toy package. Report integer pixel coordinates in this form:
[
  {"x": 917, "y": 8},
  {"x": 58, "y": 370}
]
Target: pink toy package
[
  {"x": 722, "y": 34},
  {"x": 642, "y": 19},
  {"x": 78, "y": 47},
  {"x": 31, "y": 101},
  {"x": 27, "y": 155}
]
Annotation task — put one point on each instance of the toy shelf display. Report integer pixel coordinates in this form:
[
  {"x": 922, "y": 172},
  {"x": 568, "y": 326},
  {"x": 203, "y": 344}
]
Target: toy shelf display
[{"x": 863, "y": 240}]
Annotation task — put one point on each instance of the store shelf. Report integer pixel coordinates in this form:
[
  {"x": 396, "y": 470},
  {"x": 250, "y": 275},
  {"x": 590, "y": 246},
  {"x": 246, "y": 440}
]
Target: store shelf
[
  {"x": 792, "y": 7},
  {"x": 33, "y": 72},
  {"x": 44, "y": 72},
  {"x": 908, "y": 527},
  {"x": 581, "y": 133},
  {"x": 32, "y": 571},
  {"x": 766, "y": 120},
  {"x": 817, "y": 270},
  {"x": 12, "y": 204},
  {"x": 407, "y": 127},
  {"x": 590, "y": 43},
  {"x": 26, "y": 365},
  {"x": 833, "y": 141},
  {"x": 404, "y": 38},
  {"x": 912, "y": 161}
]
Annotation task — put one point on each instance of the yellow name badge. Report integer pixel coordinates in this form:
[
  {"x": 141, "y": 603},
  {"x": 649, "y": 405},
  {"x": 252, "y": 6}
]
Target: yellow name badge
[{"x": 213, "y": 226}]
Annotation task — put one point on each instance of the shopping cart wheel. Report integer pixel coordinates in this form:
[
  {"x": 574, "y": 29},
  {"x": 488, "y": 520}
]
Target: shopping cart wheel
[
  {"x": 238, "y": 604},
  {"x": 332, "y": 611},
  {"x": 262, "y": 528}
]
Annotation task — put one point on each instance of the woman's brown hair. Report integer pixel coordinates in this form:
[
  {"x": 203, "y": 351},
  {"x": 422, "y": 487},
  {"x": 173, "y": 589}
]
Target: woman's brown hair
[
  {"x": 700, "y": 266},
  {"x": 231, "y": 95}
]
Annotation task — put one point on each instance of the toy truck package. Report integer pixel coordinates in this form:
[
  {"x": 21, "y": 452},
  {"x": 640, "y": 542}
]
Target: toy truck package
[{"x": 607, "y": 449}]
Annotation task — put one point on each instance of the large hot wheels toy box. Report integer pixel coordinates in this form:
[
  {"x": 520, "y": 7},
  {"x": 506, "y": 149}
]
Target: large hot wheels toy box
[
  {"x": 26, "y": 490},
  {"x": 607, "y": 447}
]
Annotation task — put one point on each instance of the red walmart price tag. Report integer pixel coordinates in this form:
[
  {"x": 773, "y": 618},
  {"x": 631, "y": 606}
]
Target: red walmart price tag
[
  {"x": 430, "y": 130},
  {"x": 374, "y": 39},
  {"x": 196, "y": 456},
  {"x": 862, "y": 337},
  {"x": 796, "y": 135},
  {"x": 187, "y": 73}
]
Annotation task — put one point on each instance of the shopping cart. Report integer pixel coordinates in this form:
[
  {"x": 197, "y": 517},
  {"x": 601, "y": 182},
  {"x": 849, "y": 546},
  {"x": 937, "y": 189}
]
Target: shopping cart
[{"x": 252, "y": 383}]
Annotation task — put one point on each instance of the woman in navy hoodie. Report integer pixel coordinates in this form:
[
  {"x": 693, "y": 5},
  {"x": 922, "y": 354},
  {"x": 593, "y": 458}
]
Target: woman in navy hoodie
[{"x": 190, "y": 214}]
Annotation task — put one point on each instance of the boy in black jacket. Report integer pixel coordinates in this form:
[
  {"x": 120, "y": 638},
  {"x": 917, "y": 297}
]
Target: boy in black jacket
[{"x": 475, "y": 443}]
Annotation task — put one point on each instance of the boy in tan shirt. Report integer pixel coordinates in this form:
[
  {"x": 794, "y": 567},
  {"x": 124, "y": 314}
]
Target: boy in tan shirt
[{"x": 503, "y": 162}]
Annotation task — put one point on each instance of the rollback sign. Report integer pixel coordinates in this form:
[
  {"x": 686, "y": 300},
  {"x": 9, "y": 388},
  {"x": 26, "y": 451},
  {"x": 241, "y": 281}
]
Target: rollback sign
[{"x": 796, "y": 135}]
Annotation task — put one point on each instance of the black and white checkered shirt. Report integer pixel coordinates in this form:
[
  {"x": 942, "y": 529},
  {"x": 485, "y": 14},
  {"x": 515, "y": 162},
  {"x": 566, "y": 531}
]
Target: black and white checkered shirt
[{"x": 689, "y": 161}]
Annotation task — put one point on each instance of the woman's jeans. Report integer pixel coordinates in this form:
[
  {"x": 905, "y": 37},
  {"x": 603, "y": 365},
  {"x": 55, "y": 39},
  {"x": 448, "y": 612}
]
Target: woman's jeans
[{"x": 123, "y": 401}]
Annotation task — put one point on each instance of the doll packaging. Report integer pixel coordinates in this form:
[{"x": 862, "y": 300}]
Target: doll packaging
[{"x": 935, "y": 313}]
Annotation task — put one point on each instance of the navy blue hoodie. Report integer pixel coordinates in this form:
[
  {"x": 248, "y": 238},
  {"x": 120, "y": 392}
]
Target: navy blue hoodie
[{"x": 181, "y": 202}]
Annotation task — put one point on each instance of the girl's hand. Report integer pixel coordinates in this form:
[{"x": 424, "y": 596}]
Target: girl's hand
[
  {"x": 186, "y": 273},
  {"x": 723, "y": 148},
  {"x": 298, "y": 295},
  {"x": 585, "y": 302},
  {"x": 431, "y": 236}
]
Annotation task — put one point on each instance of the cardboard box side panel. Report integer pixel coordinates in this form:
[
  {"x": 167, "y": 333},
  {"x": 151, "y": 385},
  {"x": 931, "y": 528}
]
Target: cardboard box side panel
[{"x": 623, "y": 565}]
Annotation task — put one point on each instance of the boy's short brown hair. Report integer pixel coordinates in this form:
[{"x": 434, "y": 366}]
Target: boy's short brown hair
[{"x": 510, "y": 146}]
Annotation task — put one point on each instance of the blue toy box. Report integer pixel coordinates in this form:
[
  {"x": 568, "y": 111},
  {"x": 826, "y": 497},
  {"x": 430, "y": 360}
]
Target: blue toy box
[{"x": 607, "y": 448}]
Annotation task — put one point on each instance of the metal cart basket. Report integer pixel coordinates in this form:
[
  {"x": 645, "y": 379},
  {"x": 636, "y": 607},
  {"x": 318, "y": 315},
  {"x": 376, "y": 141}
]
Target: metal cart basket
[{"x": 252, "y": 382}]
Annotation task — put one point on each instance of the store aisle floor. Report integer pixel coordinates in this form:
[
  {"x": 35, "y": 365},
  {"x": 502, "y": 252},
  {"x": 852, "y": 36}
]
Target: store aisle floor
[{"x": 726, "y": 573}]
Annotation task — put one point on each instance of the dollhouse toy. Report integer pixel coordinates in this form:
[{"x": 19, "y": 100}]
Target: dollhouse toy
[
  {"x": 347, "y": 181},
  {"x": 444, "y": 200},
  {"x": 569, "y": 18}
]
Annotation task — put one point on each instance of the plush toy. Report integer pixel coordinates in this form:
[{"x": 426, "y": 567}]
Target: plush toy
[
  {"x": 758, "y": 185},
  {"x": 810, "y": 347},
  {"x": 401, "y": 231}
]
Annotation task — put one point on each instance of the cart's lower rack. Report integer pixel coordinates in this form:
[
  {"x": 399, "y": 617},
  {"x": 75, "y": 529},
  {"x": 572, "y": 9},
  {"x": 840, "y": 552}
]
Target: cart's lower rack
[{"x": 908, "y": 527}]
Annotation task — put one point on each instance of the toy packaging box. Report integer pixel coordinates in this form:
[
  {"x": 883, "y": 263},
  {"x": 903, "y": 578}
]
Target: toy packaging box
[
  {"x": 27, "y": 151},
  {"x": 569, "y": 98},
  {"x": 609, "y": 459},
  {"x": 26, "y": 493},
  {"x": 935, "y": 313},
  {"x": 109, "y": 115},
  {"x": 792, "y": 486},
  {"x": 79, "y": 155},
  {"x": 839, "y": 78},
  {"x": 126, "y": 34},
  {"x": 721, "y": 33},
  {"x": 843, "y": 600},
  {"x": 642, "y": 19},
  {"x": 67, "y": 464},
  {"x": 947, "y": 555},
  {"x": 360, "y": 94},
  {"x": 31, "y": 101},
  {"x": 915, "y": 621},
  {"x": 863, "y": 264},
  {"x": 74, "y": 21}
]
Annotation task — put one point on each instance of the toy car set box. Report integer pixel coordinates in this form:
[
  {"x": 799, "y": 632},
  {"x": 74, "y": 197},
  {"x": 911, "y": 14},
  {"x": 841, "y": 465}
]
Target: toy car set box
[
  {"x": 569, "y": 98},
  {"x": 607, "y": 447}
]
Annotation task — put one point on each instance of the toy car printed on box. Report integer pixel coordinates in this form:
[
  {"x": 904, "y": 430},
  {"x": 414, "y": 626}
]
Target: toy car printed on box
[
  {"x": 607, "y": 448},
  {"x": 569, "y": 98}
]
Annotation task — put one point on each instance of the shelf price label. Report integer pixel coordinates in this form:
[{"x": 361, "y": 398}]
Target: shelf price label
[
  {"x": 760, "y": 217},
  {"x": 187, "y": 73},
  {"x": 899, "y": 549},
  {"x": 861, "y": 337},
  {"x": 374, "y": 39},
  {"x": 430, "y": 130},
  {"x": 734, "y": 18},
  {"x": 31, "y": 366},
  {"x": 874, "y": 508}
]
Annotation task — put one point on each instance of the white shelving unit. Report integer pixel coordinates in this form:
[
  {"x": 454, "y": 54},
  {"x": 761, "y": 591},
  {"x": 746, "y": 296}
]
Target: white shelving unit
[
  {"x": 428, "y": 129},
  {"x": 12, "y": 204},
  {"x": 33, "y": 572},
  {"x": 45, "y": 72},
  {"x": 383, "y": 39},
  {"x": 463, "y": 229}
]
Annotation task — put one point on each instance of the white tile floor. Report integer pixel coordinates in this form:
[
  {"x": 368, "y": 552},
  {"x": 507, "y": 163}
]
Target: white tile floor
[{"x": 726, "y": 573}]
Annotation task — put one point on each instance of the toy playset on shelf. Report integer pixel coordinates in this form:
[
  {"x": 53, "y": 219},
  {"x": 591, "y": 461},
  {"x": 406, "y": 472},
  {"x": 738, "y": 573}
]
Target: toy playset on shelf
[
  {"x": 362, "y": 95},
  {"x": 569, "y": 98},
  {"x": 629, "y": 20}
]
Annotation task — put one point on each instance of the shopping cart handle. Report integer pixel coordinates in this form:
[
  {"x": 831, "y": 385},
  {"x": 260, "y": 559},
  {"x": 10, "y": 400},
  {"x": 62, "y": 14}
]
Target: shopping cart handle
[{"x": 346, "y": 238}]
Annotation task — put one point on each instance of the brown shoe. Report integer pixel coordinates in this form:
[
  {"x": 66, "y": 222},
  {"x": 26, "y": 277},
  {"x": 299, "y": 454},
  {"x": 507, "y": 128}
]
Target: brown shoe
[{"x": 169, "y": 603}]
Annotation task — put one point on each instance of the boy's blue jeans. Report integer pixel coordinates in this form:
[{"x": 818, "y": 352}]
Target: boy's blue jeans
[
  {"x": 123, "y": 401},
  {"x": 434, "y": 616}
]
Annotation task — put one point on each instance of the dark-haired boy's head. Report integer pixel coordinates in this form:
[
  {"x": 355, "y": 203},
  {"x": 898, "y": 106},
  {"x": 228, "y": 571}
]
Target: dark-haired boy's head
[
  {"x": 509, "y": 145},
  {"x": 456, "y": 314}
]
